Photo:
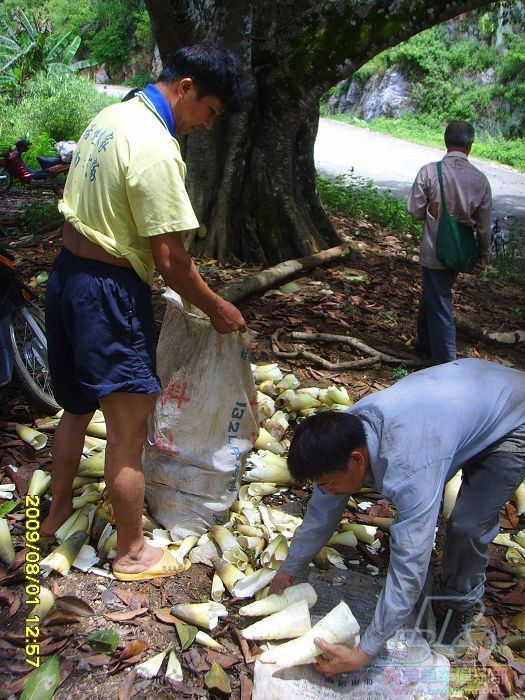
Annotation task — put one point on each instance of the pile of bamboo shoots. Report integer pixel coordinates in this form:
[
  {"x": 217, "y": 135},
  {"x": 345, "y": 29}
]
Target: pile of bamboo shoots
[{"x": 248, "y": 549}]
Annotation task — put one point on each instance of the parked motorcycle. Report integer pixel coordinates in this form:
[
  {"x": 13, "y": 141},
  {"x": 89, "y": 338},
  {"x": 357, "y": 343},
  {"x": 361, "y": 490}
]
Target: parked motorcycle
[
  {"x": 23, "y": 345},
  {"x": 51, "y": 174}
]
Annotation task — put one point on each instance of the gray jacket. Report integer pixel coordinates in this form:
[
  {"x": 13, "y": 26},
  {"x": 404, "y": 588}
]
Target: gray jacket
[{"x": 419, "y": 432}]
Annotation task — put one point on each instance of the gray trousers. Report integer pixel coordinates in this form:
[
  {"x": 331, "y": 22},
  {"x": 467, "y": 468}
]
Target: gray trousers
[
  {"x": 489, "y": 480},
  {"x": 436, "y": 330}
]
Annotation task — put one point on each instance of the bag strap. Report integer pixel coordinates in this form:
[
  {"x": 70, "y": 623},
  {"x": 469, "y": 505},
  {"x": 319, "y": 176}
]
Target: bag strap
[{"x": 440, "y": 178}]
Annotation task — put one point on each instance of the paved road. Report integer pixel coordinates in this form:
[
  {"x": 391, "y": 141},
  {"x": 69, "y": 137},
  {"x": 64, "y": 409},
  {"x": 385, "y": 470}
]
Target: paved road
[{"x": 393, "y": 163}]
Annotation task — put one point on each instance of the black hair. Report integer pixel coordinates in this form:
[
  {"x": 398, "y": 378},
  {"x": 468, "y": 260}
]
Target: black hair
[
  {"x": 323, "y": 443},
  {"x": 214, "y": 70},
  {"x": 460, "y": 134}
]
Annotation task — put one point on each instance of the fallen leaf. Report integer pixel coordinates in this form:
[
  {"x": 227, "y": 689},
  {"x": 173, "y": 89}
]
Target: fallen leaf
[
  {"x": 164, "y": 615},
  {"x": 15, "y": 605},
  {"x": 216, "y": 678},
  {"x": 15, "y": 686},
  {"x": 224, "y": 660},
  {"x": 246, "y": 687},
  {"x": 72, "y": 604},
  {"x": 134, "y": 648},
  {"x": 123, "y": 594},
  {"x": 184, "y": 689},
  {"x": 248, "y": 657},
  {"x": 6, "y": 596},
  {"x": 187, "y": 634},
  {"x": 58, "y": 617},
  {"x": 125, "y": 688},
  {"x": 139, "y": 600},
  {"x": 43, "y": 681},
  {"x": 104, "y": 640},
  {"x": 512, "y": 515},
  {"x": 484, "y": 655},
  {"x": 514, "y": 598},
  {"x": 51, "y": 647},
  {"x": 13, "y": 577},
  {"x": 126, "y": 615},
  {"x": 97, "y": 660},
  {"x": 195, "y": 661},
  {"x": 505, "y": 676}
]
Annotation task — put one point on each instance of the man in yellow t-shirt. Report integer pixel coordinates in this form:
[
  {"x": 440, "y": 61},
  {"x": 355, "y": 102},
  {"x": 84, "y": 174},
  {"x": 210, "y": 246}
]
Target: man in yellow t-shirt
[{"x": 125, "y": 207}]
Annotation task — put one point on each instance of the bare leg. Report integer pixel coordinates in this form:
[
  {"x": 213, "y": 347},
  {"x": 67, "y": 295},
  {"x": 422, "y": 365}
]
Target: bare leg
[
  {"x": 68, "y": 443},
  {"x": 126, "y": 420}
]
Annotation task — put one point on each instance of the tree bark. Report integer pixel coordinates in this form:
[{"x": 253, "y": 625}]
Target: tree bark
[{"x": 252, "y": 179}]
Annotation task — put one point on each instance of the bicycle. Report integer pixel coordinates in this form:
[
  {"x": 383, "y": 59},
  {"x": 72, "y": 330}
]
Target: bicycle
[{"x": 499, "y": 237}]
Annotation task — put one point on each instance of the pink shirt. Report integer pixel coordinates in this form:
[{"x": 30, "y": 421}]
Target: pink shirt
[{"x": 468, "y": 198}]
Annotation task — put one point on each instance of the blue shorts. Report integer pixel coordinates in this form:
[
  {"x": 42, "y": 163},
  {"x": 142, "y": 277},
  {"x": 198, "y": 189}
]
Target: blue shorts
[{"x": 100, "y": 332}]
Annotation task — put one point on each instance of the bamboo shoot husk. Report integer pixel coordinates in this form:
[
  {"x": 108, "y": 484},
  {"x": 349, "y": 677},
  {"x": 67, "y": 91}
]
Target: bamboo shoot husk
[
  {"x": 450, "y": 495},
  {"x": 7, "y": 550},
  {"x": 30, "y": 436},
  {"x": 289, "y": 623},
  {"x": 201, "y": 614},
  {"x": 338, "y": 627},
  {"x": 275, "y": 602},
  {"x": 249, "y": 585}
]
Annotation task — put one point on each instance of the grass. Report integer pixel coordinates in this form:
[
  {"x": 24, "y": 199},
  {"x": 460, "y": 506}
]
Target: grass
[
  {"x": 409, "y": 128},
  {"x": 358, "y": 198}
]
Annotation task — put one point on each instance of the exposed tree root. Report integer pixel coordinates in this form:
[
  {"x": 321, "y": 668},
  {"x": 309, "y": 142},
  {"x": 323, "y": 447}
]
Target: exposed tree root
[{"x": 374, "y": 356}]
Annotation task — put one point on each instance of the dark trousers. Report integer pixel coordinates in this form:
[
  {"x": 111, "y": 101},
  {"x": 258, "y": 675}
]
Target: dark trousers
[
  {"x": 488, "y": 482},
  {"x": 436, "y": 330}
]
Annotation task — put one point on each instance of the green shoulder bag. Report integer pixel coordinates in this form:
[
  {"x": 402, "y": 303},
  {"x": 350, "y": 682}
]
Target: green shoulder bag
[{"x": 456, "y": 244}]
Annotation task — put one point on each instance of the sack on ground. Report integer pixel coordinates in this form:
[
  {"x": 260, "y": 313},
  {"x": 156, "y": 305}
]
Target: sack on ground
[{"x": 204, "y": 424}]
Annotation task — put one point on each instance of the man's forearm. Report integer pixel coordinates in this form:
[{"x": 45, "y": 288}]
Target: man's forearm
[{"x": 183, "y": 277}]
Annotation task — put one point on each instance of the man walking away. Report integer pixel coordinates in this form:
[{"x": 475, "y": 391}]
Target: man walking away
[{"x": 469, "y": 201}]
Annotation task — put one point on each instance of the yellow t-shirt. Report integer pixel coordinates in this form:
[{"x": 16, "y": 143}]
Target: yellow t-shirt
[{"x": 126, "y": 183}]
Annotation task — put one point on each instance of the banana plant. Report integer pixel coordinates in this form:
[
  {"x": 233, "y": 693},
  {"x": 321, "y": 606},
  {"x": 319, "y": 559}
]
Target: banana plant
[{"x": 27, "y": 47}]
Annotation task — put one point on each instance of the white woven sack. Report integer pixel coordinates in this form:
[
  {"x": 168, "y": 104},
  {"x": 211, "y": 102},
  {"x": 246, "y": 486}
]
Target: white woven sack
[{"x": 204, "y": 424}]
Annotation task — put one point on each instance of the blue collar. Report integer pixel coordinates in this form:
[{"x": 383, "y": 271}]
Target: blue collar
[{"x": 158, "y": 104}]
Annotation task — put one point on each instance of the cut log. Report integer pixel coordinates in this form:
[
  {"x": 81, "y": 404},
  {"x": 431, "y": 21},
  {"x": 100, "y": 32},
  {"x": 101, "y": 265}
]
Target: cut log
[
  {"x": 468, "y": 327},
  {"x": 273, "y": 276}
]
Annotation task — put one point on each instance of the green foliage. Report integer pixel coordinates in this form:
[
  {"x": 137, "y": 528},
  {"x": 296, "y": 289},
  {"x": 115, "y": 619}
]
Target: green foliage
[
  {"x": 75, "y": 17},
  {"x": 55, "y": 108},
  {"x": 140, "y": 79},
  {"x": 358, "y": 198},
  {"x": 399, "y": 372},
  {"x": 62, "y": 105},
  {"x": 27, "y": 48},
  {"x": 115, "y": 38},
  {"x": 39, "y": 213}
]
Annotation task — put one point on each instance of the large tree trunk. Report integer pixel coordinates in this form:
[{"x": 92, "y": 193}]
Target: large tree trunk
[{"x": 252, "y": 178}]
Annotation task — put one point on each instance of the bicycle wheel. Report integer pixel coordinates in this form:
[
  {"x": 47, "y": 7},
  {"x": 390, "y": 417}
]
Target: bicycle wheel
[
  {"x": 29, "y": 346},
  {"x": 6, "y": 180},
  {"x": 499, "y": 246}
]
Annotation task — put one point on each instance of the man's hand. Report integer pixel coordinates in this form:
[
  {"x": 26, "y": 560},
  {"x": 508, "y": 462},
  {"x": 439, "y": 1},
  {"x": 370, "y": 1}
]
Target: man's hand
[
  {"x": 341, "y": 658},
  {"x": 226, "y": 318},
  {"x": 280, "y": 582}
]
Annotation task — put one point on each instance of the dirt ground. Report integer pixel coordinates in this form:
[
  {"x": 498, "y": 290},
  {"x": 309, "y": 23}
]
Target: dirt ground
[{"x": 372, "y": 296}]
